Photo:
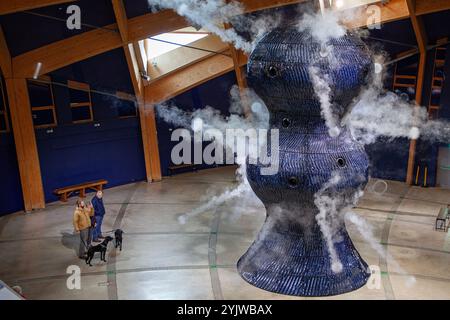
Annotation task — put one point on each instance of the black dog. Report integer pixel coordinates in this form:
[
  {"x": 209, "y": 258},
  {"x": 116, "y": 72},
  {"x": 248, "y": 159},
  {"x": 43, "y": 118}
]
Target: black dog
[
  {"x": 98, "y": 248},
  {"x": 118, "y": 237}
]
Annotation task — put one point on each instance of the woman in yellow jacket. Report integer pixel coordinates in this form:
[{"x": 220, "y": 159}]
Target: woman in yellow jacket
[{"x": 82, "y": 224}]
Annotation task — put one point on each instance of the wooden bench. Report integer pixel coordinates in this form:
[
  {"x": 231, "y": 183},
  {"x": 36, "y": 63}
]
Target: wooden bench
[
  {"x": 65, "y": 192},
  {"x": 441, "y": 220},
  {"x": 174, "y": 168}
]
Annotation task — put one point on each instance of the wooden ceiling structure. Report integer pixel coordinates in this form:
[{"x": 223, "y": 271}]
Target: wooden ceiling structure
[{"x": 126, "y": 33}]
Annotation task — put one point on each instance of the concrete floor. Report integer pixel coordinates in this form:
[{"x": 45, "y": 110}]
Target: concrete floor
[{"x": 163, "y": 259}]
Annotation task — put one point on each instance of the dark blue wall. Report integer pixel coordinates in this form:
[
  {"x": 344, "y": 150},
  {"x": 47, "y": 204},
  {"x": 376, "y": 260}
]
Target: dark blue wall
[
  {"x": 393, "y": 38},
  {"x": 10, "y": 189},
  {"x": 11, "y": 199},
  {"x": 214, "y": 93},
  {"x": 437, "y": 25},
  {"x": 389, "y": 158},
  {"x": 445, "y": 97},
  {"x": 76, "y": 153},
  {"x": 136, "y": 8},
  {"x": 25, "y": 31}
]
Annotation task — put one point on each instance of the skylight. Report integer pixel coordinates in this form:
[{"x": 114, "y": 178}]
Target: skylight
[
  {"x": 348, "y": 4},
  {"x": 180, "y": 37}
]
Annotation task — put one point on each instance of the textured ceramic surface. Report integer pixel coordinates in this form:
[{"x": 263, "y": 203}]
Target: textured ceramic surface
[{"x": 290, "y": 255}]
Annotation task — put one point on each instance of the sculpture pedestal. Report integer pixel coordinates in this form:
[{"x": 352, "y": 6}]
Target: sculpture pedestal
[{"x": 293, "y": 259}]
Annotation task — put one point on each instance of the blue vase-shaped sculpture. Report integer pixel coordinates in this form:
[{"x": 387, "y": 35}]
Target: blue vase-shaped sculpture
[{"x": 290, "y": 255}]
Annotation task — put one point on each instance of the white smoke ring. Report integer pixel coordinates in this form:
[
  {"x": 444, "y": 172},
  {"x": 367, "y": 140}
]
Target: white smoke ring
[{"x": 373, "y": 188}]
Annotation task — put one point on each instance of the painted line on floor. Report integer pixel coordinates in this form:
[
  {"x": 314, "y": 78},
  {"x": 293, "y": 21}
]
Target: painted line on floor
[
  {"x": 387, "y": 244},
  {"x": 212, "y": 257},
  {"x": 111, "y": 264},
  {"x": 420, "y": 276},
  {"x": 418, "y": 248},
  {"x": 414, "y": 222},
  {"x": 150, "y": 233},
  {"x": 388, "y": 290},
  {"x": 400, "y": 213},
  {"x": 197, "y": 181},
  {"x": 446, "y": 246},
  {"x": 429, "y": 201},
  {"x": 193, "y": 202},
  {"x": 3, "y": 222},
  {"x": 121, "y": 271}
]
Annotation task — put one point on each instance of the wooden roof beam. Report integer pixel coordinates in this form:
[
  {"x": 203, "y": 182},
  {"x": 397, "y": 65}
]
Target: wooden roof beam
[
  {"x": 86, "y": 45},
  {"x": 147, "y": 119},
  {"x": 11, "y": 6},
  {"x": 394, "y": 10},
  {"x": 121, "y": 18},
  {"x": 256, "y": 5},
  {"x": 91, "y": 43},
  {"x": 5, "y": 57},
  {"x": 431, "y": 6},
  {"x": 418, "y": 25},
  {"x": 360, "y": 17},
  {"x": 422, "y": 41},
  {"x": 187, "y": 78}
]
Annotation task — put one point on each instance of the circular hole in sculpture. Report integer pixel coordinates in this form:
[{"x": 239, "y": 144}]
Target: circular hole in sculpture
[
  {"x": 272, "y": 71},
  {"x": 341, "y": 162},
  {"x": 286, "y": 123},
  {"x": 293, "y": 182}
]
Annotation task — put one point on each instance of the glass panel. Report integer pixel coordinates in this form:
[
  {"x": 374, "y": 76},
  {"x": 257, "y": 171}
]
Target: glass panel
[
  {"x": 440, "y": 53},
  {"x": 40, "y": 94},
  {"x": 78, "y": 96},
  {"x": 43, "y": 117},
  {"x": 81, "y": 114},
  {"x": 158, "y": 48},
  {"x": 435, "y": 98},
  {"x": 2, "y": 122}
]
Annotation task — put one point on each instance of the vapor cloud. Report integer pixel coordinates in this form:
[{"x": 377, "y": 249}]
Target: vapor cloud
[{"x": 215, "y": 15}]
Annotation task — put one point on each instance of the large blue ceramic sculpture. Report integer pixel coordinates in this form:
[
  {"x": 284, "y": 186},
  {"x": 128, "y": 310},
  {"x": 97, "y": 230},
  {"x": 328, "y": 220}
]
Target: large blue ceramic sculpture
[{"x": 290, "y": 255}]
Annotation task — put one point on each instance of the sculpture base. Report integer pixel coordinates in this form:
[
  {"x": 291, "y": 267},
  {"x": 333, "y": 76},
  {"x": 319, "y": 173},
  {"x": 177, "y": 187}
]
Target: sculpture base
[{"x": 297, "y": 263}]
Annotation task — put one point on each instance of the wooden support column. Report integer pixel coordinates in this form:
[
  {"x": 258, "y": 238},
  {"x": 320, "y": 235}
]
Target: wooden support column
[
  {"x": 419, "y": 30},
  {"x": 240, "y": 72},
  {"x": 25, "y": 143},
  {"x": 152, "y": 136},
  {"x": 139, "y": 92},
  {"x": 23, "y": 130},
  {"x": 240, "y": 75},
  {"x": 241, "y": 79},
  {"x": 5, "y": 57},
  {"x": 147, "y": 118}
]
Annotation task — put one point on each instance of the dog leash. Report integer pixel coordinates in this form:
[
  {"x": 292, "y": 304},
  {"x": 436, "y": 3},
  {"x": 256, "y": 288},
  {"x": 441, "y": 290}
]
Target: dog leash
[
  {"x": 84, "y": 244},
  {"x": 110, "y": 231}
]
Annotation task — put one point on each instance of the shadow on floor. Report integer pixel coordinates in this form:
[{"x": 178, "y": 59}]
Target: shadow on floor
[{"x": 70, "y": 240}]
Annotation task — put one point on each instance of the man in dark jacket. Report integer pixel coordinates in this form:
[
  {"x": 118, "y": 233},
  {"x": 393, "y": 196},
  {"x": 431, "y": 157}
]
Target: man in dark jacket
[{"x": 99, "y": 213}]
